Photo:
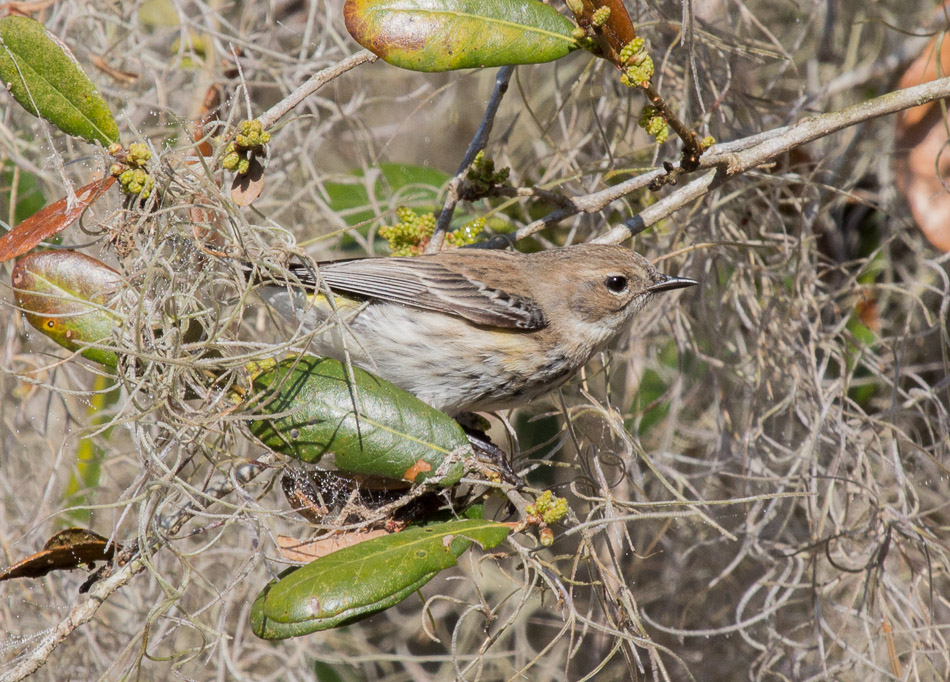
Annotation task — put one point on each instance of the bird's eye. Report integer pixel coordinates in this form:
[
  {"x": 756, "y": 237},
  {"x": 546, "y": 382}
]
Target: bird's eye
[{"x": 616, "y": 283}]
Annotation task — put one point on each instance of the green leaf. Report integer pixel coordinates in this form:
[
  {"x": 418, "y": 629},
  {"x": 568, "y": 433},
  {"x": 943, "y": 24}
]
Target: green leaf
[
  {"x": 371, "y": 426},
  {"x": 25, "y": 189},
  {"x": 44, "y": 77},
  {"x": 441, "y": 35},
  {"x": 356, "y": 200},
  {"x": 66, "y": 295},
  {"x": 89, "y": 455},
  {"x": 416, "y": 186},
  {"x": 158, "y": 14},
  {"x": 363, "y": 579}
]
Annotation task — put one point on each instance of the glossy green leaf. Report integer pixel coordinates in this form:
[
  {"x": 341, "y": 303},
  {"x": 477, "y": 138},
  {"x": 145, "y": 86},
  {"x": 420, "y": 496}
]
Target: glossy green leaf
[
  {"x": 354, "y": 199},
  {"x": 371, "y": 426},
  {"x": 44, "y": 77},
  {"x": 364, "y": 579},
  {"x": 441, "y": 35},
  {"x": 66, "y": 295}
]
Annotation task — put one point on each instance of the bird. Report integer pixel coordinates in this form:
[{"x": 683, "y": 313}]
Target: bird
[{"x": 470, "y": 330}]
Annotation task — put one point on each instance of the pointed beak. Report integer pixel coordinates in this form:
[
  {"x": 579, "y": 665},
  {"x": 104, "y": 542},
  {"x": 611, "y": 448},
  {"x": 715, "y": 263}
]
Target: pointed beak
[{"x": 668, "y": 283}]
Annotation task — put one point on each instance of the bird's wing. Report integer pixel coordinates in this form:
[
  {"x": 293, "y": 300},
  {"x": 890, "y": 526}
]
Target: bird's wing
[{"x": 427, "y": 284}]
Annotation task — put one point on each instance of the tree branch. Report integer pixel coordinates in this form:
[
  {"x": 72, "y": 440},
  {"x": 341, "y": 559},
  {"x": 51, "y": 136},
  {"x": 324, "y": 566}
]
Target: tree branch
[
  {"x": 477, "y": 144},
  {"x": 730, "y": 159},
  {"x": 316, "y": 81},
  {"x": 87, "y": 606}
]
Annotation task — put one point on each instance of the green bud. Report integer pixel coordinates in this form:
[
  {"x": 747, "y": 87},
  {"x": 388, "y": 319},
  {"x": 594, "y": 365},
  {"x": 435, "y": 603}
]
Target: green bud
[
  {"x": 654, "y": 124},
  {"x": 576, "y": 6},
  {"x": 632, "y": 50},
  {"x": 250, "y": 136},
  {"x": 230, "y": 161},
  {"x": 546, "y": 537},
  {"x": 600, "y": 16},
  {"x": 138, "y": 154},
  {"x": 467, "y": 234},
  {"x": 646, "y": 113},
  {"x": 550, "y": 508}
]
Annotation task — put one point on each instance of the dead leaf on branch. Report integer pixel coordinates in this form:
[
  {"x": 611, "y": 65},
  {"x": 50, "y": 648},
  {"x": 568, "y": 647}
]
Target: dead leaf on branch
[{"x": 922, "y": 158}]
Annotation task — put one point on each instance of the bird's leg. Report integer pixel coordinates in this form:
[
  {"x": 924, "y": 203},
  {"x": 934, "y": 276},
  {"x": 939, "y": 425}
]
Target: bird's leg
[{"x": 474, "y": 427}]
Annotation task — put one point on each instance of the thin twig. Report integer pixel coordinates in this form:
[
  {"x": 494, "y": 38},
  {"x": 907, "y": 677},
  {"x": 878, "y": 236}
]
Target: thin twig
[
  {"x": 87, "y": 606},
  {"x": 317, "y": 81},
  {"x": 81, "y": 613},
  {"x": 692, "y": 150},
  {"x": 477, "y": 144}
]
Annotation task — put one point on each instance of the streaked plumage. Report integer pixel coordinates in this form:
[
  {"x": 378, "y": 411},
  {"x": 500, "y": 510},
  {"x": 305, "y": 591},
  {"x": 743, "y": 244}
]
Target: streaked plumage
[{"x": 470, "y": 329}]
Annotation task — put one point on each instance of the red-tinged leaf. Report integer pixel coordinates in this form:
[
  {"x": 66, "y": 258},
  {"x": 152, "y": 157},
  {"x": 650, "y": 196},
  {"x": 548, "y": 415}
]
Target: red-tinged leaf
[
  {"x": 53, "y": 219},
  {"x": 66, "y": 550},
  {"x": 68, "y": 295}
]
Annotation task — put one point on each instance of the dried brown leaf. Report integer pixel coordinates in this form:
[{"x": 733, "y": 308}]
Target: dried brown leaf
[{"x": 305, "y": 551}]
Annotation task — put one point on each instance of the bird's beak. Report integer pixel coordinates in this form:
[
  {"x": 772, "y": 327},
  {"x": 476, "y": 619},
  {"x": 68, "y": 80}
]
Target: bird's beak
[{"x": 668, "y": 283}]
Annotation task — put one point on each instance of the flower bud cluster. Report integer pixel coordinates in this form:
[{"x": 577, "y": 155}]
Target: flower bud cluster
[
  {"x": 411, "y": 235},
  {"x": 129, "y": 169},
  {"x": 600, "y": 16},
  {"x": 544, "y": 511},
  {"x": 655, "y": 125},
  {"x": 549, "y": 508},
  {"x": 584, "y": 39},
  {"x": 467, "y": 234},
  {"x": 482, "y": 177},
  {"x": 637, "y": 64},
  {"x": 251, "y": 138}
]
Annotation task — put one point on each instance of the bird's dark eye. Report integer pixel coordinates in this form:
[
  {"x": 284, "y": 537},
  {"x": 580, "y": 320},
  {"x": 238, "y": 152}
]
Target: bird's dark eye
[{"x": 616, "y": 283}]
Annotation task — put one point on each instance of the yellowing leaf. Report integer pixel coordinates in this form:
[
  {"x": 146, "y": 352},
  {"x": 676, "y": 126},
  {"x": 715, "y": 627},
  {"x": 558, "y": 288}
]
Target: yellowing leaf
[{"x": 441, "y": 35}]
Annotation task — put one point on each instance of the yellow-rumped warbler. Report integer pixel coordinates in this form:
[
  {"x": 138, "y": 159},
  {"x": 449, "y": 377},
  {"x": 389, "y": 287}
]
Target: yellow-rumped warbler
[{"x": 472, "y": 329}]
